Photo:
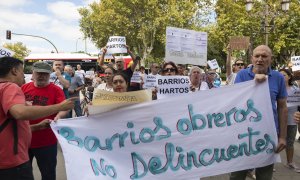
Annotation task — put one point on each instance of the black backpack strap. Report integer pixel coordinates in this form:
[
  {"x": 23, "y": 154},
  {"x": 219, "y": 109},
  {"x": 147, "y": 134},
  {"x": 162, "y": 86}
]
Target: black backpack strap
[{"x": 15, "y": 131}]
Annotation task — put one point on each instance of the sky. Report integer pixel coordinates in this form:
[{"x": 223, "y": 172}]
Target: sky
[{"x": 57, "y": 21}]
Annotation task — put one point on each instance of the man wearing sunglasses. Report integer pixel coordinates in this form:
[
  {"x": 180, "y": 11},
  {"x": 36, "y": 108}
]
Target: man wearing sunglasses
[
  {"x": 231, "y": 71},
  {"x": 154, "y": 69}
]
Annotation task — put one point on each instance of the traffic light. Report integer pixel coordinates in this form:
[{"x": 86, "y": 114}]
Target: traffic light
[{"x": 8, "y": 34}]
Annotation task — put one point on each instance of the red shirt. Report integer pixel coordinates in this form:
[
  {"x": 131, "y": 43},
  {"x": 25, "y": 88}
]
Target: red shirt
[
  {"x": 49, "y": 95},
  {"x": 10, "y": 95}
]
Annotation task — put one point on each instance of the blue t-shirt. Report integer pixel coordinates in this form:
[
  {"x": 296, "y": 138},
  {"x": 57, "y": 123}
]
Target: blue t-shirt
[
  {"x": 276, "y": 86},
  {"x": 55, "y": 80}
]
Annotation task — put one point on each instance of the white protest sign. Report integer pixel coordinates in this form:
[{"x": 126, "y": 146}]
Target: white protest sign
[
  {"x": 213, "y": 64},
  {"x": 6, "y": 52},
  {"x": 150, "y": 81},
  {"x": 116, "y": 44},
  {"x": 184, "y": 137},
  {"x": 136, "y": 77},
  {"x": 294, "y": 98},
  {"x": 89, "y": 73},
  {"x": 172, "y": 85},
  {"x": 296, "y": 63},
  {"x": 186, "y": 46}
]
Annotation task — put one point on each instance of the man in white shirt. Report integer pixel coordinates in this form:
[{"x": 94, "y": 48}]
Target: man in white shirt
[{"x": 80, "y": 72}]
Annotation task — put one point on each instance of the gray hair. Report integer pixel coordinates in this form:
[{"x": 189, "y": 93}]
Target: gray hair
[{"x": 195, "y": 68}]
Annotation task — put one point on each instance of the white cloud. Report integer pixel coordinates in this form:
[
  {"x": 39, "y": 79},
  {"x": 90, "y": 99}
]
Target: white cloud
[
  {"x": 12, "y": 3},
  {"x": 64, "y": 10},
  {"x": 11, "y": 19},
  {"x": 65, "y": 31},
  {"x": 58, "y": 23}
]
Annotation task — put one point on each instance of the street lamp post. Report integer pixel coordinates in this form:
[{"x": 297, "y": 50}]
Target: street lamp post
[
  {"x": 35, "y": 37},
  {"x": 266, "y": 26},
  {"x": 85, "y": 49}
]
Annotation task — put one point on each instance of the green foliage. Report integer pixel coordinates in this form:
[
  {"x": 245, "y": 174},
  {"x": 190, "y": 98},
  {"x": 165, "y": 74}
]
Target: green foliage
[
  {"x": 233, "y": 20},
  {"x": 143, "y": 22},
  {"x": 20, "y": 50}
]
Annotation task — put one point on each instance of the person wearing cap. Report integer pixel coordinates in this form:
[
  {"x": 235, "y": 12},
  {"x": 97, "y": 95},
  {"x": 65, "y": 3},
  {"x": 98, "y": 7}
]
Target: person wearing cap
[
  {"x": 15, "y": 134},
  {"x": 41, "y": 92}
]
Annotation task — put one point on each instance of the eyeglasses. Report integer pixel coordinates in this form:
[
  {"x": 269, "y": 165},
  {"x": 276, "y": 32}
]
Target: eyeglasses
[
  {"x": 156, "y": 67},
  {"x": 169, "y": 70},
  {"x": 239, "y": 64}
]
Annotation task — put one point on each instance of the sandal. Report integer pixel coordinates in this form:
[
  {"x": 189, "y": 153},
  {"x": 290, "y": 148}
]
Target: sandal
[{"x": 293, "y": 167}]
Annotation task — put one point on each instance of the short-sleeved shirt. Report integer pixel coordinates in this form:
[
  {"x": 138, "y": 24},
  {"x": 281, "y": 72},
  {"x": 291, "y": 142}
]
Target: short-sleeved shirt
[
  {"x": 81, "y": 74},
  {"x": 75, "y": 83},
  {"x": 55, "y": 80},
  {"x": 276, "y": 86},
  {"x": 292, "y": 109},
  {"x": 10, "y": 95},
  {"x": 49, "y": 95}
]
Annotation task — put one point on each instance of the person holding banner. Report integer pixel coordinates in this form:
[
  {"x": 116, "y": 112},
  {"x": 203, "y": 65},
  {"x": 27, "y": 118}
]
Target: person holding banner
[
  {"x": 196, "y": 81},
  {"x": 44, "y": 143},
  {"x": 231, "y": 72},
  {"x": 260, "y": 70},
  {"x": 120, "y": 82},
  {"x": 15, "y": 133},
  {"x": 292, "y": 126}
]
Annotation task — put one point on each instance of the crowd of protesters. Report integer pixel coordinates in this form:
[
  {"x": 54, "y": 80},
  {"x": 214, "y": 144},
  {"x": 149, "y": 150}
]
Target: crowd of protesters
[{"x": 34, "y": 102}]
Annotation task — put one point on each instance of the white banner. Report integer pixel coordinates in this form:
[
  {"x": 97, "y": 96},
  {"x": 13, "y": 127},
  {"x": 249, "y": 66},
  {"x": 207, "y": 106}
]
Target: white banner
[
  {"x": 136, "y": 77},
  {"x": 213, "y": 64},
  {"x": 296, "y": 63},
  {"x": 172, "y": 85},
  {"x": 186, "y": 46},
  {"x": 150, "y": 81},
  {"x": 195, "y": 135},
  {"x": 6, "y": 52},
  {"x": 294, "y": 98},
  {"x": 116, "y": 44}
]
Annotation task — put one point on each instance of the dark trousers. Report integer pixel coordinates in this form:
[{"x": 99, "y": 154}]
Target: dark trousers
[
  {"x": 77, "y": 109},
  {"x": 21, "y": 172},
  {"x": 262, "y": 173},
  {"x": 46, "y": 160}
]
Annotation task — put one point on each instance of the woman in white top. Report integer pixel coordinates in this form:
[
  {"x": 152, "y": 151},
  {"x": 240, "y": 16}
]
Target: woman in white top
[
  {"x": 292, "y": 126},
  {"x": 108, "y": 85},
  {"x": 196, "y": 80}
]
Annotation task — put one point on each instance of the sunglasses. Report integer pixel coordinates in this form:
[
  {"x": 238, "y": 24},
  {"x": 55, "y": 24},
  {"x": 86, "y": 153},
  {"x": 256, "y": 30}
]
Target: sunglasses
[
  {"x": 239, "y": 64},
  {"x": 169, "y": 70}
]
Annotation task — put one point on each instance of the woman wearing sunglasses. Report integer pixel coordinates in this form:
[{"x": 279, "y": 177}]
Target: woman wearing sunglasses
[{"x": 169, "y": 69}]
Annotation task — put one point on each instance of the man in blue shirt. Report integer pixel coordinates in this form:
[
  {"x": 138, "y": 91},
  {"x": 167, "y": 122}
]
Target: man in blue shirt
[
  {"x": 59, "y": 78},
  {"x": 261, "y": 68}
]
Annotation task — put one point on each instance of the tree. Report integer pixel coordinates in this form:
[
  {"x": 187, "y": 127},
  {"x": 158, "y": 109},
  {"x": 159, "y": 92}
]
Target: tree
[
  {"x": 20, "y": 50},
  {"x": 143, "y": 22},
  {"x": 233, "y": 20}
]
